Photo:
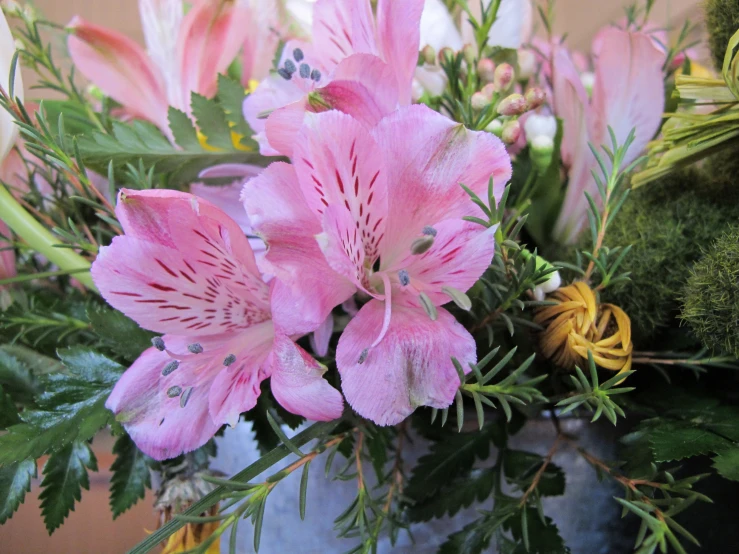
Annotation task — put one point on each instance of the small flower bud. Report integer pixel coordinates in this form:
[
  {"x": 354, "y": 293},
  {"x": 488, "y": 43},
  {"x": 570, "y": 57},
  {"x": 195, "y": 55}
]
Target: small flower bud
[
  {"x": 535, "y": 97},
  {"x": 540, "y": 125},
  {"x": 469, "y": 54},
  {"x": 489, "y": 90},
  {"x": 588, "y": 81},
  {"x": 428, "y": 54},
  {"x": 479, "y": 101},
  {"x": 486, "y": 70},
  {"x": 503, "y": 77},
  {"x": 511, "y": 132},
  {"x": 515, "y": 104},
  {"x": 495, "y": 127},
  {"x": 542, "y": 149},
  {"x": 526, "y": 64},
  {"x": 446, "y": 55}
]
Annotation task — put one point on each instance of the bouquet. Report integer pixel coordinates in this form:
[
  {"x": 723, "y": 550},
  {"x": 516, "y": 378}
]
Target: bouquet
[{"x": 362, "y": 229}]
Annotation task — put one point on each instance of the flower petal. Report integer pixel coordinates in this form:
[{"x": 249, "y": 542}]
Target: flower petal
[
  {"x": 157, "y": 423},
  {"x": 121, "y": 68},
  {"x": 298, "y": 385},
  {"x": 438, "y": 28},
  {"x": 426, "y": 173},
  {"x": 338, "y": 163},
  {"x": 411, "y": 366},
  {"x": 341, "y": 29},
  {"x": 182, "y": 267},
  {"x": 321, "y": 337},
  {"x": 399, "y": 37}
]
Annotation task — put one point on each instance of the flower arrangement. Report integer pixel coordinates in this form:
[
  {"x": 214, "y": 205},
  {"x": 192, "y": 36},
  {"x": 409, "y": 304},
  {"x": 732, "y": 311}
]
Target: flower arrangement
[{"x": 356, "y": 226}]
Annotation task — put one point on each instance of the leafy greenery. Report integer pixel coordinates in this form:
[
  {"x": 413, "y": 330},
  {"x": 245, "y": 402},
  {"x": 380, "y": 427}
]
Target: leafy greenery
[
  {"x": 120, "y": 333},
  {"x": 70, "y": 407},
  {"x": 65, "y": 475},
  {"x": 130, "y": 475},
  {"x": 15, "y": 482}
]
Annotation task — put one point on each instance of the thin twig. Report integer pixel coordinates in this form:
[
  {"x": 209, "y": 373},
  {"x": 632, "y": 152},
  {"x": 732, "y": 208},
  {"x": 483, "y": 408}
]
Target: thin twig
[{"x": 541, "y": 470}]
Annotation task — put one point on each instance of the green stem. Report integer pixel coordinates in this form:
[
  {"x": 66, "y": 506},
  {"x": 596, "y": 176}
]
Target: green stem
[
  {"x": 44, "y": 275},
  {"x": 41, "y": 240}
]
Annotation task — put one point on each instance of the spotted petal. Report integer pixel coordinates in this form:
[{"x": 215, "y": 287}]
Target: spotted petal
[{"x": 410, "y": 367}]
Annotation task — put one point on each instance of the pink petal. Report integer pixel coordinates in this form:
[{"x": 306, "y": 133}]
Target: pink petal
[
  {"x": 307, "y": 289},
  {"x": 121, "y": 69},
  {"x": 399, "y": 36},
  {"x": 235, "y": 389},
  {"x": 283, "y": 126},
  {"x": 262, "y": 40},
  {"x": 298, "y": 385},
  {"x": 338, "y": 163},
  {"x": 157, "y": 423},
  {"x": 182, "y": 267},
  {"x": 321, "y": 337},
  {"x": 212, "y": 35},
  {"x": 570, "y": 104},
  {"x": 341, "y": 29},
  {"x": 424, "y": 174},
  {"x": 411, "y": 366},
  {"x": 227, "y": 198},
  {"x": 342, "y": 245},
  {"x": 461, "y": 253}
]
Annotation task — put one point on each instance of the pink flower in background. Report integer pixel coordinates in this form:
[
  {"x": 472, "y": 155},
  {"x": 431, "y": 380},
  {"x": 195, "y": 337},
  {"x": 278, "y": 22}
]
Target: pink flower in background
[
  {"x": 356, "y": 63},
  {"x": 628, "y": 93},
  {"x": 184, "y": 54},
  {"x": 186, "y": 269},
  {"x": 380, "y": 211}
]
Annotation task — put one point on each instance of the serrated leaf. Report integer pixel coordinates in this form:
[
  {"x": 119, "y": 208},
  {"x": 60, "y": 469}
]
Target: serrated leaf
[
  {"x": 122, "y": 334},
  {"x": 15, "y": 482},
  {"x": 676, "y": 440},
  {"x": 543, "y": 536},
  {"x": 71, "y": 407},
  {"x": 266, "y": 438},
  {"x": 183, "y": 130},
  {"x": 212, "y": 121},
  {"x": 472, "y": 539},
  {"x": 453, "y": 455},
  {"x": 65, "y": 475},
  {"x": 16, "y": 378},
  {"x": 130, "y": 477},
  {"x": 727, "y": 464},
  {"x": 459, "y": 493},
  {"x": 8, "y": 412},
  {"x": 231, "y": 97}
]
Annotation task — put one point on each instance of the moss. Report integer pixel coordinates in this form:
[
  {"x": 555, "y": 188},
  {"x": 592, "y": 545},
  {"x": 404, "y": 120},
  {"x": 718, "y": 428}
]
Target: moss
[
  {"x": 722, "y": 21},
  {"x": 722, "y": 170},
  {"x": 711, "y": 295},
  {"x": 667, "y": 222}
]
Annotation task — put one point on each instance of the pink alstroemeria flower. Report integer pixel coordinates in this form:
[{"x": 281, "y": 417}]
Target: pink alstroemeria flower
[
  {"x": 628, "y": 93},
  {"x": 355, "y": 64},
  {"x": 347, "y": 217},
  {"x": 184, "y": 54},
  {"x": 184, "y": 268}
]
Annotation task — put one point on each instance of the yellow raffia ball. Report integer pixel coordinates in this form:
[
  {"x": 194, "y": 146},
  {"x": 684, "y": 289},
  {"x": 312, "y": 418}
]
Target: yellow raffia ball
[{"x": 578, "y": 324}]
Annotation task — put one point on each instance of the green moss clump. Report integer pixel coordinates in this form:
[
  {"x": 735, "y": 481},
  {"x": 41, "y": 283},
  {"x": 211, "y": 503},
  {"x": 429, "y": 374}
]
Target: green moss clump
[
  {"x": 667, "y": 222},
  {"x": 711, "y": 295},
  {"x": 722, "y": 21}
]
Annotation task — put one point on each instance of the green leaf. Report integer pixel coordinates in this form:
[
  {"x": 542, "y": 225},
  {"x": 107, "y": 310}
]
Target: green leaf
[
  {"x": 15, "y": 482},
  {"x": 122, "y": 334},
  {"x": 675, "y": 441},
  {"x": 130, "y": 476},
  {"x": 16, "y": 378},
  {"x": 726, "y": 463},
  {"x": 543, "y": 536},
  {"x": 472, "y": 539},
  {"x": 231, "y": 97},
  {"x": 8, "y": 412},
  {"x": 475, "y": 486},
  {"x": 130, "y": 143},
  {"x": 263, "y": 433},
  {"x": 212, "y": 121},
  {"x": 71, "y": 407},
  {"x": 183, "y": 130},
  {"x": 65, "y": 475},
  {"x": 520, "y": 467},
  {"x": 454, "y": 454}
]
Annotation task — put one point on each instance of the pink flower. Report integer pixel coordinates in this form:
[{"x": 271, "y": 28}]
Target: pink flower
[
  {"x": 185, "y": 268},
  {"x": 380, "y": 212},
  {"x": 355, "y": 64},
  {"x": 628, "y": 93},
  {"x": 7, "y": 265},
  {"x": 184, "y": 54}
]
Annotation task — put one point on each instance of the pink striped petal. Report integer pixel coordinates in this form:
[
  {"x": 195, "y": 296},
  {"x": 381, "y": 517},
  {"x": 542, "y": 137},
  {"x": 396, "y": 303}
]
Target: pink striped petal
[
  {"x": 156, "y": 422},
  {"x": 426, "y": 173},
  {"x": 341, "y": 29},
  {"x": 411, "y": 366},
  {"x": 399, "y": 37},
  {"x": 120, "y": 68},
  {"x": 298, "y": 385},
  {"x": 319, "y": 340}
]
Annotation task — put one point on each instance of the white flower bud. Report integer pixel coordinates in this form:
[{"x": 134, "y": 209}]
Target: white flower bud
[
  {"x": 538, "y": 125},
  {"x": 526, "y": 64},
  {"x": 588, "y": 81}
]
